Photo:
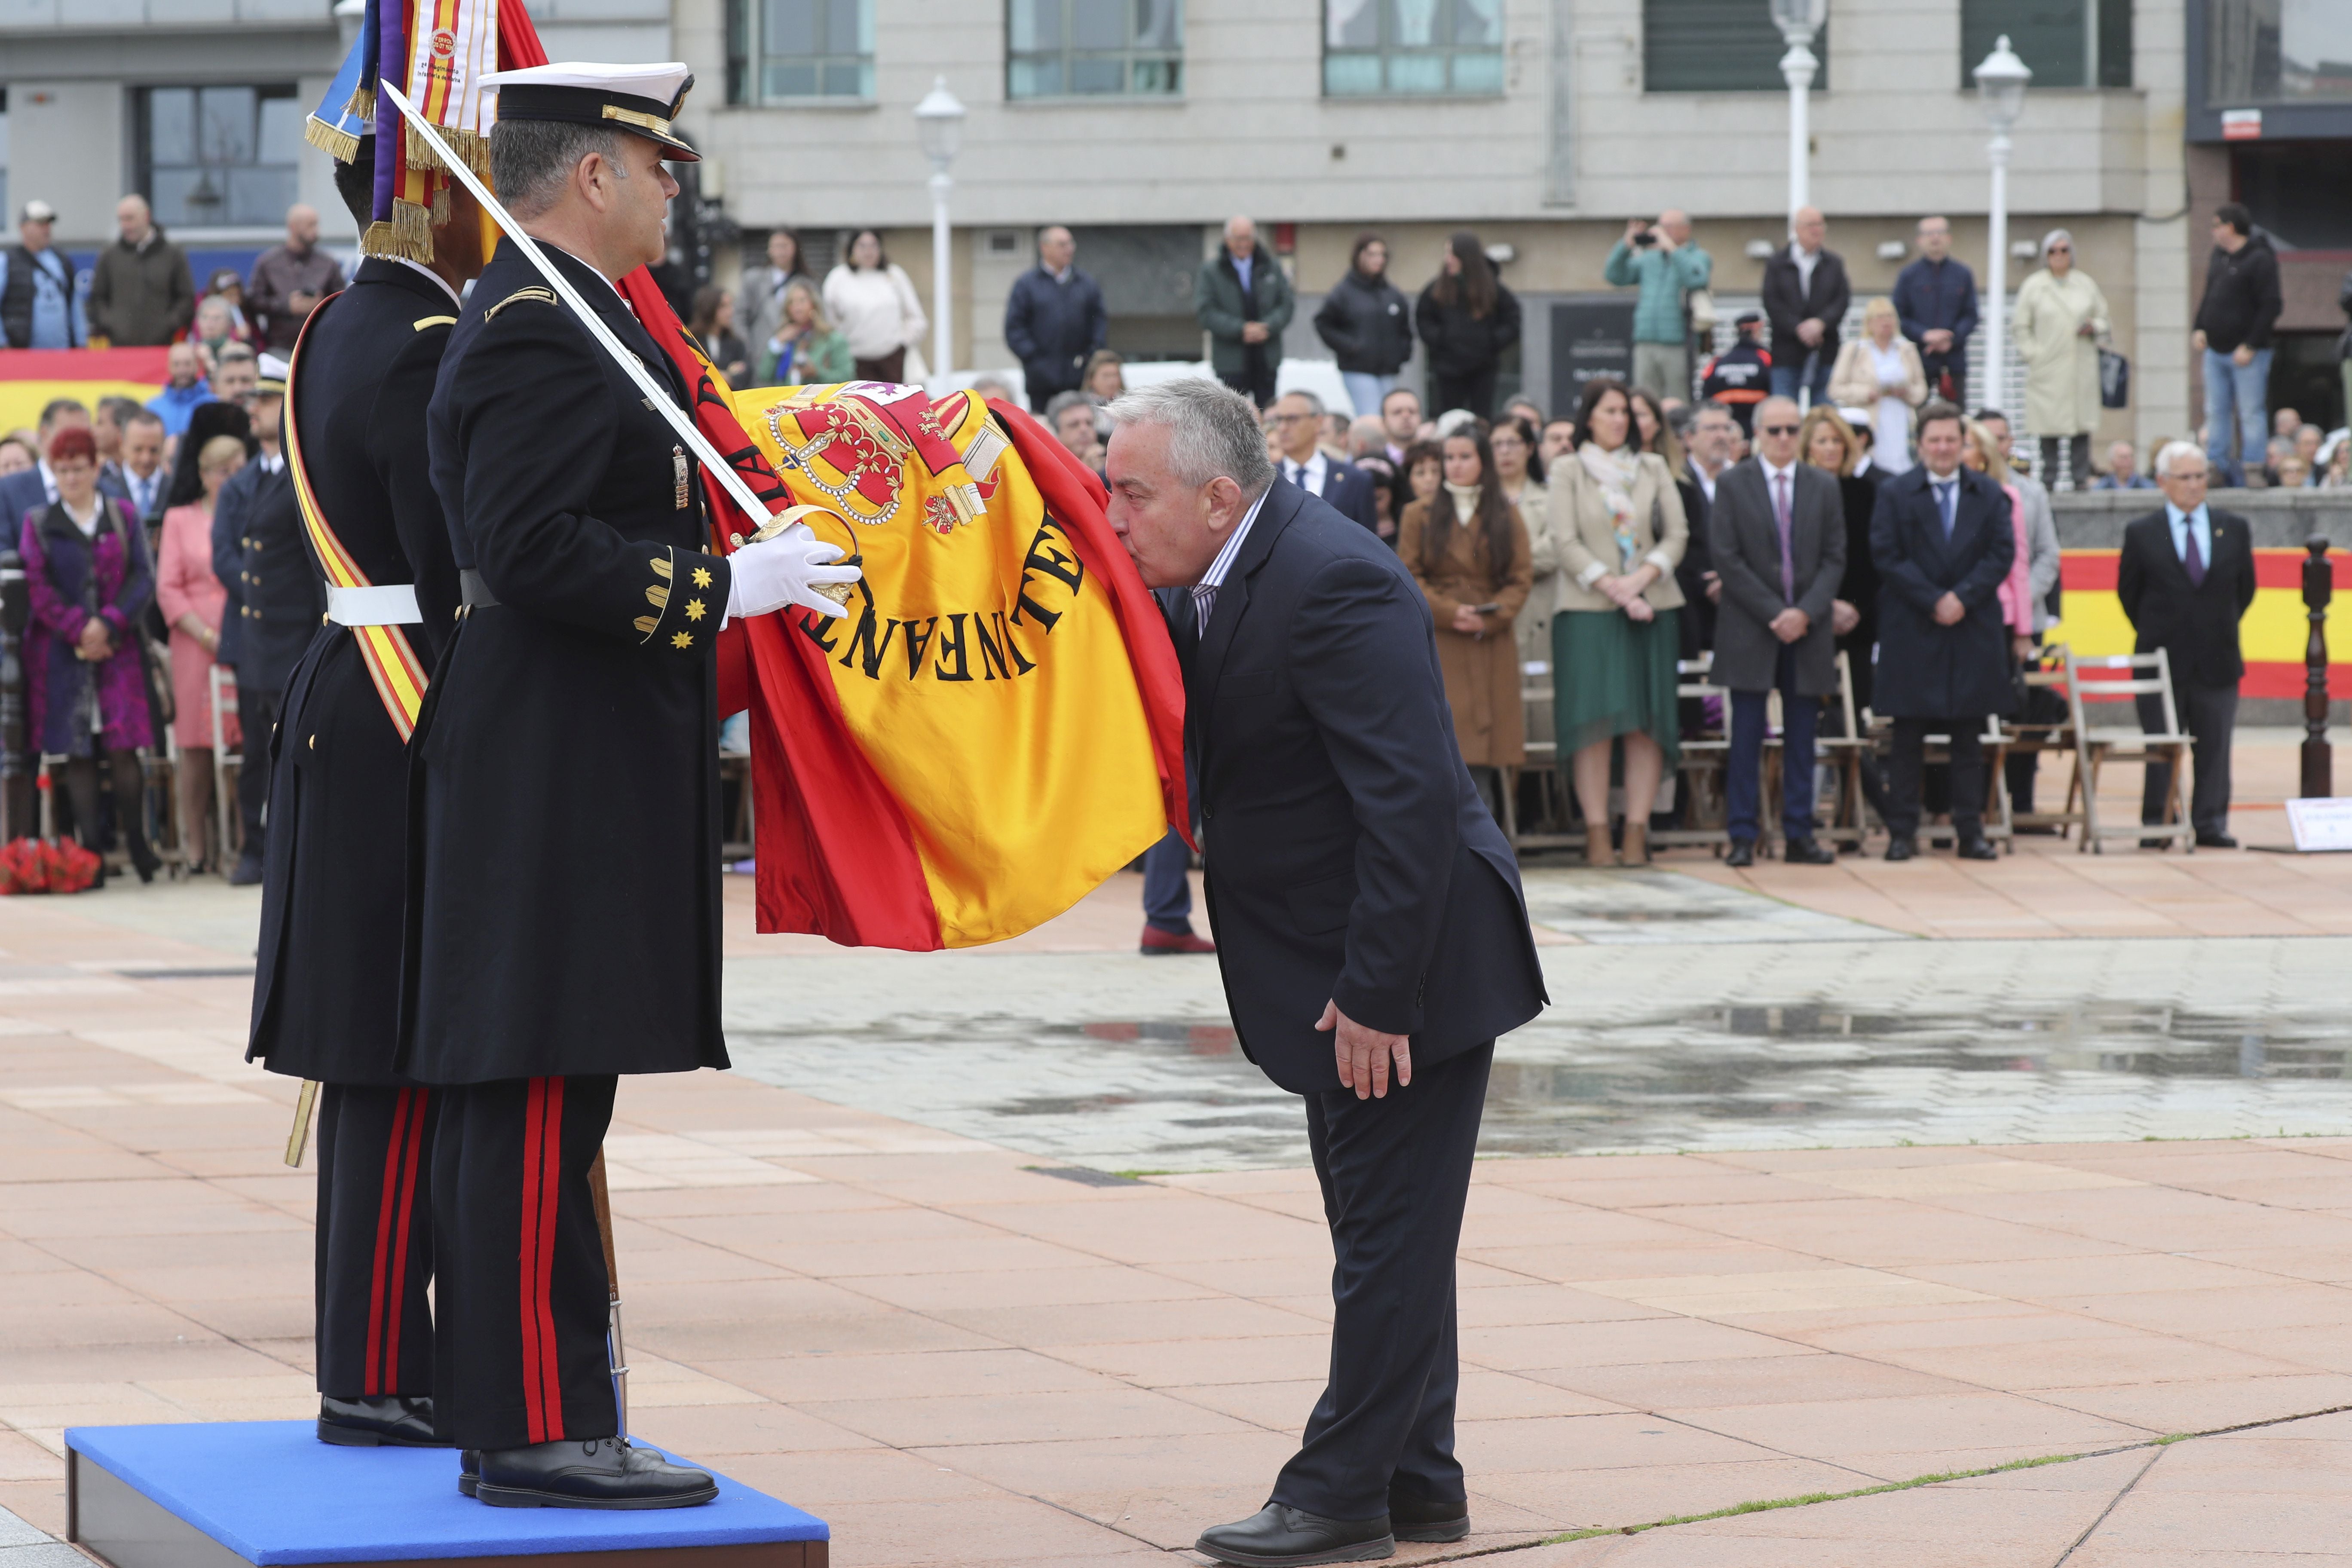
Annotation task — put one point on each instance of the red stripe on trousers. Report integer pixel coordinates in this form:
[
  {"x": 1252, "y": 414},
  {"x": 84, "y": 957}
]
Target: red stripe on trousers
[
  {"x": 550, "y": 1187},
  {"x": 395, "y": 1305},
  {"x": 534, "y": 1105},
  {"x": 385, "y": 1209}
]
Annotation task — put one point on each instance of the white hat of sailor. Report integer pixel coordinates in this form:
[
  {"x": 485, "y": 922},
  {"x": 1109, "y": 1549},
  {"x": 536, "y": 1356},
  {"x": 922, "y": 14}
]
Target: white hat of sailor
[{"x": 639, "y": 99}]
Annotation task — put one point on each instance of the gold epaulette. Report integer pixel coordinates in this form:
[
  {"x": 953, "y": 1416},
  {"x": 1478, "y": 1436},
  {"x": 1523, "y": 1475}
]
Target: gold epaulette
[
  {"x": 422, "y": 323},
  {"x": 544, "y": 296}
]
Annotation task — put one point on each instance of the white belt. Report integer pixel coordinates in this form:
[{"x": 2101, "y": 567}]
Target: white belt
[{"x": 386, "y": 605}]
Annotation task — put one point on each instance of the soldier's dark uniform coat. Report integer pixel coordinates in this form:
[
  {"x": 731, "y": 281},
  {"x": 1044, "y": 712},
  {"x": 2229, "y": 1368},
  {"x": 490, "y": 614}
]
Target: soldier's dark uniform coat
[
  {"x": 279, "y": 592},
  {"x": 564, "y": 830},
  {"x": 326, "y": 988}
]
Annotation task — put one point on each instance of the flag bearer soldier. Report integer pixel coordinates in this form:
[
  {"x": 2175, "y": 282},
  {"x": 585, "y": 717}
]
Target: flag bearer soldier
[
  {"x": 326, "y": 995},
  {"x": 563, "y": 841}
]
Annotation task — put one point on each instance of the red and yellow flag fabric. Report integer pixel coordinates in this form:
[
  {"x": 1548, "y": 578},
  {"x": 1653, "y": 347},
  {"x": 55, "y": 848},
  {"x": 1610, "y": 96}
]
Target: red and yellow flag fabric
[
  {"x": 998, "y": 723},
  {"x": 2272, "y": 635},
  {"x": 31, "y": 378}
]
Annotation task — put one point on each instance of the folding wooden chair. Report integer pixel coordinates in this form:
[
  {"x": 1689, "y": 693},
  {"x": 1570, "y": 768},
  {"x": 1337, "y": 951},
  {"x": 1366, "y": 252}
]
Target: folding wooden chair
[
  {"x": 1542, "y": 760},
  {"x": 2142, "y": 675},
  {"x": 2047, "y": 671},
  {"x": 220, "y": 691},
  {"x": 1705, "y": 761},
  {"x": 1844, "y": 752}
]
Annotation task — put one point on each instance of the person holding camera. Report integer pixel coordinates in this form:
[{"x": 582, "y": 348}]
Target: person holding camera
[{"x": 1660, "y": 259}]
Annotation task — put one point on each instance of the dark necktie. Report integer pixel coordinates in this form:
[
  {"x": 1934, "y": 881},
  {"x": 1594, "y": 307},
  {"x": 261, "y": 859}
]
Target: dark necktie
[
  {"x": 1788, "y": 538},
  {"x": 2193, "y": 558},
  {"x": 1945, "y": 507}
]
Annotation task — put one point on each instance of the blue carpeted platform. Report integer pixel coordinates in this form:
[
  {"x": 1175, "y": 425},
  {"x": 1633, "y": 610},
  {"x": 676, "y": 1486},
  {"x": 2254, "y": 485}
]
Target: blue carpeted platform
[{"x": 271, "y": 1493}]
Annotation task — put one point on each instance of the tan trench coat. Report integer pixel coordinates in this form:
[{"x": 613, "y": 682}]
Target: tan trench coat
[
  {"x": 1482, "y": 672},
  {"x": 2062, "y": 366}
]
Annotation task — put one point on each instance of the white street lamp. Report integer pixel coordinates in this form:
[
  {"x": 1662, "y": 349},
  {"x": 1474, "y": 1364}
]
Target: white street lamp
[
  {"x": 2000, "y": 81},
  {"x": 1798, "y": 20},
  {"x": 939, "y": 121}
]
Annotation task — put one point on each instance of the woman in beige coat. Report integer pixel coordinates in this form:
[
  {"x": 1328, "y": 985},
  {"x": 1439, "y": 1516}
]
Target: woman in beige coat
[
  {"x": 1614, "y": 534},
  {"x": 1469, "y": 551},
  {"x": 2062, "y": 320},
  {"x": 1881, "y": 371}
]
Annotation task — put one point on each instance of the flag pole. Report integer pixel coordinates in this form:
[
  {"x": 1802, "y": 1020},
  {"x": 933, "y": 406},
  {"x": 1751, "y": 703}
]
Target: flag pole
[{"x": 659, "y": 397}]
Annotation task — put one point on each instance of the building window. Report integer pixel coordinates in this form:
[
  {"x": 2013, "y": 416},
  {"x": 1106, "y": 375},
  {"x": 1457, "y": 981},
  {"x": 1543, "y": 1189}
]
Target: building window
[
  {"x": 219, "y": 157},
  {"x": 2277, "y": 51},
  {"x": 1413, "y": 47},
  {"x": 1070, "y": 48},
  {"x": 1718, "y": 45},
  {"x": 788, "y": 50},
  {"x": 2068, "y": 43}
]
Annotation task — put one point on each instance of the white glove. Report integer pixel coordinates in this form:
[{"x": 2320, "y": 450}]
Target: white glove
[{"x": 773, "y": 572}]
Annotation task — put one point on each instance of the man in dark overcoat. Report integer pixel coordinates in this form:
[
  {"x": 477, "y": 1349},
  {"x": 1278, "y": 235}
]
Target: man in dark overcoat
[
  {"x": 1369, "y": 922},
  {"x": 563, "y": 907},
  {"x": 1776, "y": 535},
  {"x": 1943, "y": 542},
  {"x": 326, "y": 995}
]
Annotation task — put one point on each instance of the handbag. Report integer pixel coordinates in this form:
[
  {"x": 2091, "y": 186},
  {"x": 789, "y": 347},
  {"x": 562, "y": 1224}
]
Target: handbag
[
  {"x": 2114, "y": 380},
  {"x": 1700, "y": 305}
]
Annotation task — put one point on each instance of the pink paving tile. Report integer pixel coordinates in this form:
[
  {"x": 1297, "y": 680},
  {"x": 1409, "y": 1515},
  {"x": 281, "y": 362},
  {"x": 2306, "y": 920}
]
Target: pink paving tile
[
  {"x": 2202, "y": 1404},
  {"x": 1555, "y": 1443},
  {"x": 1127, "y": 1323},
  {"x": 1883, "y": 1234},
  {"x": 2279, "y": 1304},
  {"x": 827, "y": 1479},
  {"x": 1756, "y": 1380},
  {"x": 1866, "y": 1432},
  {"x": 712, "y": 1431},
  {"x": 1093, "y": 1285},
  {"x": 1543, "y": 1349},
  {"x": 970, "y": 1531},
  {"x": 798, "y": 1379},
  {"x": 2031, "y": 1526},
  {"x": 1165, "y": 1363},
  {"x": 849, "y": 1334},
  {"x": 2051, "y": 1279},
  {"x": 2159, "y": 1520},
  {"x": 1247, "y": 1457},
  {"x": 1698, "y": 1255},
  {"x": 1066, "y": 1416},
  {"x": 1593, "y": 1499},
  {"x": 1507, "y": 1306},
  {"x": 2087, "y": 1362}
]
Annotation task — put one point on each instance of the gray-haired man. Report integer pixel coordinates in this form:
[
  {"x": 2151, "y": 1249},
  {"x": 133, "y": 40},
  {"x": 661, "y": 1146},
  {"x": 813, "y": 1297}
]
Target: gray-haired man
[{"x": 1369, "y": 923}]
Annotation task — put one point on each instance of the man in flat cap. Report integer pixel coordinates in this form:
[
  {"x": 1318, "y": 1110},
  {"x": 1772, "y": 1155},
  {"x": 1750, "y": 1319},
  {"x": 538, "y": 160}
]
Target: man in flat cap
[
  {"x": 326, "y": 993},
  {"x": 563, "y": 922}
]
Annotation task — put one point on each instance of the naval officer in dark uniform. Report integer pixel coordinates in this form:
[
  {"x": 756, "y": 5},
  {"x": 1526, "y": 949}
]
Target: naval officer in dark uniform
[
  {"x": 279, "y": 599},
  {"x": 326, "y": 992},
  {"x": 564, "y": 831}
]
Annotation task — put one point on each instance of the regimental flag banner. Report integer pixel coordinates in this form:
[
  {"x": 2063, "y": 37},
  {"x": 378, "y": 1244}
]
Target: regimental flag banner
[
  {"x": 30, "y": 379},
  {"x": 984, "y": 667}
]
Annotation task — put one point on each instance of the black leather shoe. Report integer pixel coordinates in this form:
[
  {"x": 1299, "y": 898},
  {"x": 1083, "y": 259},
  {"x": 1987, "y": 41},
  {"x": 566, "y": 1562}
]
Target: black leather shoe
[
  {"x": 1979, "y": 848},
  {"x": 1806, "y": 852},
  {"x": 1743, "y": 853},
  {"x": 469, "y": 1470},
  {"x": 2216, "y": 841},
  {"x": 394, "y": 1421},
  {"x": 1902, "y": 848},
  {"x": 1420, "y": 1519},
  {"x": 1279, "y": 1537},
  {"x": 247, "y": 873},
  {"x": 597, "y": 1472}
]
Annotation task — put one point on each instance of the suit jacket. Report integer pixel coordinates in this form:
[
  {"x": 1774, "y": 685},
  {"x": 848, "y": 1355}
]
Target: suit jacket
[
  {"x": 1787, "y": 303},
  {"x": 2196, "y": 627},
  {"x": 1697, "y": 626},
  {"x": 1348, "y": 490},
  {"x": 1927, "y": 670},
  {"x": 1744, "y": 537},
  {"x": 1349, "y": 857}
]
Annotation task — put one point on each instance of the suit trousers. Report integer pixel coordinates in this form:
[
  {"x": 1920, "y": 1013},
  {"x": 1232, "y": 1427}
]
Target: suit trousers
[
  {"x": 1168, "y": 885},
  {"x": 1908, "y": 759},
  {"x": 1743, "y": 784},
  {"x": 256, "y": 715},
  {"x": 2209, "y": 714},
  {"x": 375, "y": 1240},
  {"x": 1395, "y": 1173},
  {"x": 521, "y": 1355}
]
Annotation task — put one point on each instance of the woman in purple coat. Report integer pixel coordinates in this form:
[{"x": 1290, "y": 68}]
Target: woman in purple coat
[{"x": 86, "y": 563}]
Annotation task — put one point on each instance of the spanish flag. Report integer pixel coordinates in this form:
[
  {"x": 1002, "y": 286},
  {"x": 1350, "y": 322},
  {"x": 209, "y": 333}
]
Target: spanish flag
[
  {"x": 30, "y": 379},
  {"x": 997, "y": 725}
]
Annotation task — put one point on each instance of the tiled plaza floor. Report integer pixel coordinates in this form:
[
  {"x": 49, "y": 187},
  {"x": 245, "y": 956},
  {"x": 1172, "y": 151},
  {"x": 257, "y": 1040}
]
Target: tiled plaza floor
[{"x": 959, "y": 1356}]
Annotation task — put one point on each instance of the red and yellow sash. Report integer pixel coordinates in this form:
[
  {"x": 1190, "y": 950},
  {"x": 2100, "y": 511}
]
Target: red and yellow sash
[{"x": 399, "y": 675}]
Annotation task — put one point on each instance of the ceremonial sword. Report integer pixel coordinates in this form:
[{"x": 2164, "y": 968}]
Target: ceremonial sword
[{"x": 659, "y": 397}]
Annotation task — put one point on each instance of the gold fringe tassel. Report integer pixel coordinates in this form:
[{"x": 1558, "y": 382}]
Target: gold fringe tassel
[
  {"x": 363, "y": 104},
  {"x": 409, "y": 234},
  {"x": 440, "y": 203},
  {"x": 332, "y": 139},
  {"x": 471, "y": 145}
]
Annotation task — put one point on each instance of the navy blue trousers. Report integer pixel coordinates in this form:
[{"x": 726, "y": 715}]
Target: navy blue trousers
[
  {"x": 1743, "y": 784},
  {"x": 1395, "y": 1175}
]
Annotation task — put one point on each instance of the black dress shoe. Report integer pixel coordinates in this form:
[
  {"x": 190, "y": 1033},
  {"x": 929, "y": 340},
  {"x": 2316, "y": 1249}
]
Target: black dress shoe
[
  {"x": 1977, "y": 849},
  {"x": 597, "y": 1472},
  {"x": 247, "y": 873},
  {"x": 2216, "y": 841},
  {"x": 1743, "y": 853},
  {"x": 1806, "y": 852},
  {"x": 1902, "y": 848},
  {"x": 1279, "y": 1537},
  {"x": 1421, "y": 1518},
  {"x": 469, "y": 1470},
  {"x": 393, "y": 1421}
]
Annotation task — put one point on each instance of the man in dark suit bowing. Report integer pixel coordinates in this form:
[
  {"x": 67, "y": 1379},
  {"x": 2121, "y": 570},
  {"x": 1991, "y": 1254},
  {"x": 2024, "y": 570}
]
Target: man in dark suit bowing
[
  {"x": 2186, "y": 576},
  {"x": 1777, "y": 533},
  {"x": 1343, "y": 487},
  {"x": 1943, "y": 542},
  {"x": 1368, "y": 925}
]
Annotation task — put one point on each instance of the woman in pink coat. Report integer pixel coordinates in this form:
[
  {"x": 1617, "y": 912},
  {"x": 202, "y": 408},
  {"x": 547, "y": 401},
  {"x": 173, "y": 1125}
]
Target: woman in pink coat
[
  {"x": 191, "y": 598},
  {"x": 2016, "y": 592}
]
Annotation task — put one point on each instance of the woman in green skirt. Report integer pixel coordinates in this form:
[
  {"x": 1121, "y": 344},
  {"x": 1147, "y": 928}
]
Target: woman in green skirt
[{"x": 1611, "y": 533}]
